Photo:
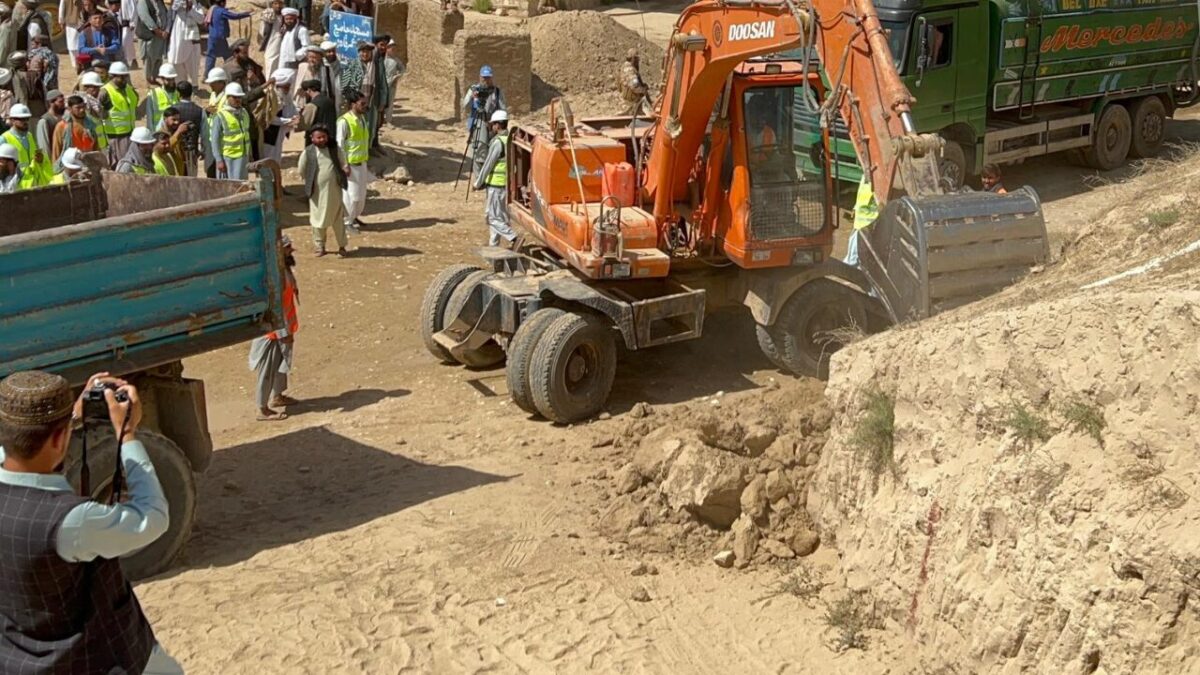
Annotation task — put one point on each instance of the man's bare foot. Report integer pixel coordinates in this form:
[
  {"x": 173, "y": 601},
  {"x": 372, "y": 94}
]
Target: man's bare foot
[{"x": 268, "y": 415}]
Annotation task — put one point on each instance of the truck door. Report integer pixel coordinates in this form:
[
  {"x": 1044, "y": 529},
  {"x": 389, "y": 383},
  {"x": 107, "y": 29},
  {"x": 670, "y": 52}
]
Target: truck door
[{"x": 937, "y": 41}]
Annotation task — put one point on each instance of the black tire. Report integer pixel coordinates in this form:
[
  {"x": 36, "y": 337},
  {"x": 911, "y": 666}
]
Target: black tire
[
  {"x": 490, "y": 353},
  {"x": 804, "y": 325},
  {"x": 952, "y": 165},
  {"x": 520, "y": 354},
  {"x": 1111, "y": 139},
  {"x": 178, "y": 484},
  {"x": 769, "y": 344},
  {"x": 433, "y": 307},
  {"x": 572, "y": 369},
  {"x": 1149, "y": 117}
]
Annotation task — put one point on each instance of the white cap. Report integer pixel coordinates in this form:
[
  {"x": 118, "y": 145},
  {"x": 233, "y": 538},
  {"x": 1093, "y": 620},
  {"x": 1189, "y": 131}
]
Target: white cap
[
  {"x": 327, "y": 45},
  {"x": 168, "y": 71},
  {"x": 235, "y": 90},
  {"x": 9, "y": 152},
  {"x": 72, "y": 158},
  {"x": 19, "y": 111},
  {"x": 283, "y": 76},
  {"x": 34, "y": 30},
  {"x": 499, "y": 116},
  {"x": 290, "y": 11},
  {"x": 216, "y": 75},
  {"x": 118, "y": 68},
  {"x": 91, "y": 79},
  {"x": 5, "y": 75},
  {"x": 142, "y": 135}
]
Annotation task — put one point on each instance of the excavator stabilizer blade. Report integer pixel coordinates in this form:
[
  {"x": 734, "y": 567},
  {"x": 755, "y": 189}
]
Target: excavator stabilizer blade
[{"x": 929, "y": 254}]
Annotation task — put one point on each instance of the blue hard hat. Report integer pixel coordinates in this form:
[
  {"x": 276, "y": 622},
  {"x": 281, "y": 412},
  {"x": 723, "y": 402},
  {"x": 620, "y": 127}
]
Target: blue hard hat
[{"x": 485, "y": 71}]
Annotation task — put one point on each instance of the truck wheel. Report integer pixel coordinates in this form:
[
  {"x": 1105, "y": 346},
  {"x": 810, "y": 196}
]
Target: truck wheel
[
  {"x": 490, "y": 353},
  {"x": 433, "y": 307},
  {"x": 1110, "y": 139},
  {"x": 178, "y": 484},
  {"x": 769, "y": 344},
  {"x": 953, "y": 165},
  {"x": 1149, "y": 127},
  {"x": 520, "y": 354},
  {"x": 572, "y": 369},
  {"x": 808, "y": 325}
]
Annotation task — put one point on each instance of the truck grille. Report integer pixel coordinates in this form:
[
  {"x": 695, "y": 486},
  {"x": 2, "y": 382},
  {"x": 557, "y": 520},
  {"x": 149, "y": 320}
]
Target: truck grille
[{"x": 786, "y": 210}]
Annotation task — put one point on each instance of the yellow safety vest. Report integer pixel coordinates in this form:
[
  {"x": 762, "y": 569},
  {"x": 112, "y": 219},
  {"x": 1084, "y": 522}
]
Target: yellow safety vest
[
  {"x": 121, "y": 117},
  {"x": 357, "y": 140},
  {"x": 219, "y": 101},
  {"x": 235, "y": 142},
  {"x": 160, "y": 167},
  {"x": 58, "y": 179},
  {"x": 499, "y": 175},
  {"x": 163, "y": 99},
  {"x": 866, "y": 209},
  {"x": 33, "y": 173}
]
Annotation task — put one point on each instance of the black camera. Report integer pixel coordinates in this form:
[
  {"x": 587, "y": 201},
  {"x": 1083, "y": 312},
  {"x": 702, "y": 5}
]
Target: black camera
[{"x": 95, "y": 407}]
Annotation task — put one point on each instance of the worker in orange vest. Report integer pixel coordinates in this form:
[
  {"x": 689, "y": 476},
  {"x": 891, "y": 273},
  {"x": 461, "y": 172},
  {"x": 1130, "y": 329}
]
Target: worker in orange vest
[{"x": 271, "y": 355}]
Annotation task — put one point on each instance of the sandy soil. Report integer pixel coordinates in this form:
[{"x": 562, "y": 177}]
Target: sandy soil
[{"x": 408, "y": 518}]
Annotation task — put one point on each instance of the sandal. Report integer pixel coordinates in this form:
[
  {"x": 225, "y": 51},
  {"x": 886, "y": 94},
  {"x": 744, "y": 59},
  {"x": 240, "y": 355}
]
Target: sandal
[
  {"x": 318, "y": 253},
  {"x": 273, "y": 417},
  {"x": 282, "y": 400}
]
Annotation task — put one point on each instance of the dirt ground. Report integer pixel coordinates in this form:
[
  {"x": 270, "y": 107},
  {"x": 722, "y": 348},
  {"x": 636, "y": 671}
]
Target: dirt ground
[{"x": 408, "y": 518}]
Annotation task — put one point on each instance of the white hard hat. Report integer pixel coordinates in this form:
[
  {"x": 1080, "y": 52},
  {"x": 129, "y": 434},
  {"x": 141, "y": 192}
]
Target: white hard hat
[
  {"x": 168, "y": 71},
  {"x": 5, "y": 74},
  {"x": 235, "y": 90},
  {"x": 9, "y": 152},
  {"x": 142, "y": 135},
  {"x": 91, "y": 79},
  {"x": 499, "y": 116},
  {"x": 327, "y": 45},
  {"x": 20, "y": 111},
  {"x": 216, "y": 75},
  {"x": 72, "y": 158},
  {"x": 118, "y": 68}
]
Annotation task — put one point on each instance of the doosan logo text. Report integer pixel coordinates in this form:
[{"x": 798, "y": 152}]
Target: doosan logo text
[{"x": 756, "y": 30}]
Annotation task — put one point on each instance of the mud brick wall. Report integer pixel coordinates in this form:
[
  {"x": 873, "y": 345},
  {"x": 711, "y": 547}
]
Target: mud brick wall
[
  {"x": 508, "y": 51},
  {"x": 393, "y": 20},
  {"x": 430, "y": 49}
]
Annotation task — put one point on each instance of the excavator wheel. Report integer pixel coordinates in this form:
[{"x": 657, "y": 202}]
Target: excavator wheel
[
  {"x": 810, "y": 326},
  {"x": 433, "y": 307},
  {"x": 490, "y": 353},
  {"x": 520, "y": 354},
  {"x": 572, "y": 369},
  {"x": 769, "y": 344}
]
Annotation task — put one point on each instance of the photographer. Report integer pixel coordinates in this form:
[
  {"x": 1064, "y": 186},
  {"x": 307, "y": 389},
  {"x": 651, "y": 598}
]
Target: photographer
[
  {"x": 65, "y": 604},
  {"x": 482, "y": 101}
]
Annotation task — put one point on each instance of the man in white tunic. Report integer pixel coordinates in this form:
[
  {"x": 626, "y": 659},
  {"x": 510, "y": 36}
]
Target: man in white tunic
[{"x": 184, "y": 49}]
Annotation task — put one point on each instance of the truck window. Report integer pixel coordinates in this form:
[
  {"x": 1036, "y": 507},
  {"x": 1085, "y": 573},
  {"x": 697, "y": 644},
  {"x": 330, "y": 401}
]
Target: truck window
[
  {"x": 941, "y": 50},
  {"x": 897, "y": 37},
  {"x": 787, "y": 188}
]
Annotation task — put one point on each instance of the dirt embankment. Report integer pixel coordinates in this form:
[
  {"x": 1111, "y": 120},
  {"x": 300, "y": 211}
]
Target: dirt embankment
[
  {"x": 579, "y": 55},
  {"x": 1017, "y": 481}
]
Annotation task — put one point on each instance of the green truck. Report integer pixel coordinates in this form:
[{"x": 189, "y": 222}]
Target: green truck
[{"x": 1003, "y": 81}]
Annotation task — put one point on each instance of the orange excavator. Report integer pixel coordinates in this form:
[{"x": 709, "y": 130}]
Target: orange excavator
[{"x": 635, "y": 228}]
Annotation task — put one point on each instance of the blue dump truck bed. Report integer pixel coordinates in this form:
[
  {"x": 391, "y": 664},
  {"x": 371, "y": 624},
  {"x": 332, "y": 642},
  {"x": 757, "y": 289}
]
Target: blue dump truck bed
[
  {"x": 178, "y": 267},
  {"x": 131, "y": 275}
]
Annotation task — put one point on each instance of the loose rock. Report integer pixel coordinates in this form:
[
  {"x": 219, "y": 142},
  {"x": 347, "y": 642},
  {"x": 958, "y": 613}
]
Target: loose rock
[
  {"x": 777, "y": 549},
  {"x": 745, "y": 540},
  {"x": 758, "y": 438},
  {"x": 754, "y": 498},
  {"x": 777, "y": 486},
  {"x": 706, "y": 482},
  {"x": 640, "y": 595},
  {"x": 804, "y": 541},
  {"x": 627, "y": 479},
  {"x": 724, "y": 558}
]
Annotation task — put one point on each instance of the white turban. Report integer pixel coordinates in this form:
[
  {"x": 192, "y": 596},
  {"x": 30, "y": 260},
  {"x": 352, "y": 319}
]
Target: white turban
[
  {"x": 290, "y": 11},
  {"x": 283, "y": 76}
]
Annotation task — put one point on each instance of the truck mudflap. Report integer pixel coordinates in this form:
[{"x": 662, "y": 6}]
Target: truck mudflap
[{"x": 934, "y": 253}]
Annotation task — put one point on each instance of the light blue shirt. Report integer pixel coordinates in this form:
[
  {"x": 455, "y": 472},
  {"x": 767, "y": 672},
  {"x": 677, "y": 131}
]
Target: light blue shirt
[{"x": 94, "y": 530}]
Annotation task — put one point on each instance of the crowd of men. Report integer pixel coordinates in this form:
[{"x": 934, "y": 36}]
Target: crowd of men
[{"x": 247, "y": 114}]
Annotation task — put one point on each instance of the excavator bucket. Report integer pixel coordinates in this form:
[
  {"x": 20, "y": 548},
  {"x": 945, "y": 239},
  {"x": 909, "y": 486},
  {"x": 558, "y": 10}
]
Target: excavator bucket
[{"x": 929, "y": 254}]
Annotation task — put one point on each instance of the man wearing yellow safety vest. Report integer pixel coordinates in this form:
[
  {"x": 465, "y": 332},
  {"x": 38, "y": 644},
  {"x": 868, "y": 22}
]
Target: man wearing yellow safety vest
[
  {"x": 138, "y": 159},
  {"x": 161, "y": 97},
  {"x": 866, "y": 211},
  {"x": 10, "y": 173},
  {"x": 120, "y": 102},
  {"x": 34, "y": 164},
  {"x": 494, "y": 176},
  {"x": 165, "y": 163},
  {"x": 72, "y": 167},
  {"x": 216, "y": 80},
  {"x": 354, "y": 138},
  {"x": 230, "y": 136}
]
